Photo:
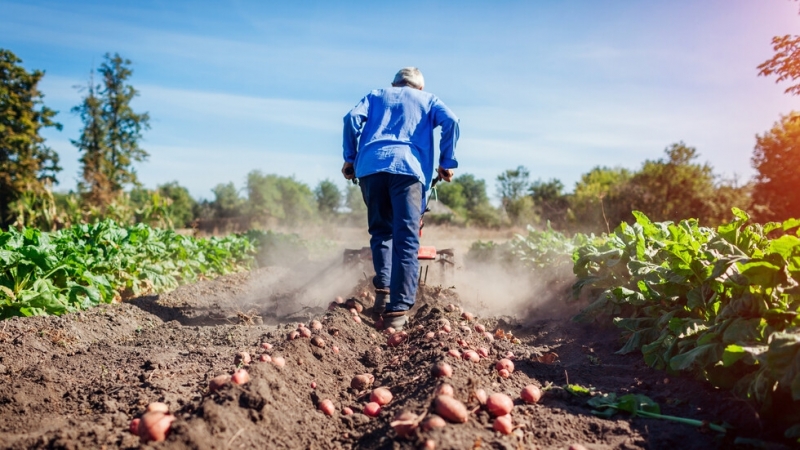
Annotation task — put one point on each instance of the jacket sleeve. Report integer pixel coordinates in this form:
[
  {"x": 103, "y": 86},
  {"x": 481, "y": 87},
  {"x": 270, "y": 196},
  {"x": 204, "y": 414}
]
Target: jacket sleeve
[
  {"x": 447, "y": 145},
  {"x": 353, "y": 123}
]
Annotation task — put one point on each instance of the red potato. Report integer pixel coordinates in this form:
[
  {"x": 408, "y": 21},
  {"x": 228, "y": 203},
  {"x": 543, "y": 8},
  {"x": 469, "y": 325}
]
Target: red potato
[
  {"x": 353, "y": 311},
  {"x": 442, "y": 322},
  {"x": 481, "y": 396},
  {"x": 444, "y": 389},
  {"x": 333, "y": 331},
  {"x": 577, "y": 447},
  {"x": 357, "y": 319},
  {"x": 335, "y": 349},
  {"x": 419, "y": 327},
  {"x": 217, "y": 382},
  {"x": 451, "y": 307},
  {"x": 332, "y": 306},
  {"x": 480, "y": 328},
  {"x": 134, "y": 426},
  {"x": 503, "y": 373},
  {"x": 471, "y": 355},
  {"x": 432, "y": 422},
  {"x": 531, "y": 394},
  {"x": 265, "y": 358},
  {"x": 293, "y": 335},
  {"x": 339, "y": 300},
  {"x": 362, "y": 381},
  {"x": 397, "y": 339},
  {"x": 489, "y": 337},
  {"x": 462, "y": 343},
  {"x": 499, "y": 404},
  {"x": 154, "y": 426},
  {"x": 305, "y": 332},
  {"x": 240, "y": 377},
  {"x": 301, "y": 325},
  {"x": 483, "y": 352},
  {"x": 466, "y": 330},
  {"x": 503, "y": 424},
  {"x": 450, "y": 409},
  {"x": 346, "y": 411},
  {"x": 430, "y": 335},
  {"x": 381, "y": 396},
  {"x": 389, "y": 331},
  {"x": 157, "y": 407},
  {"x": 266, "y": 346},
  {"x": 316, "y": 325},
  {"x": 454, "y": 353},
  {"x": 442, "y": 369},
  {"x": 379, "y": 323},
  {"x": 313, "y": 385},
  {"x": 278, "y": 361},
  {"x": 467, "y": 316},
  {"x": 505, "y": 364},
  {"x": 442, "y": 334},
  {"x": 372, "y": 409},
  {"x": 326, "y": 406},
  {"x": 429, "y": 444},
  {"x": 318, "y": 341},
  {"x": 242, "y": 358},
  {"x": 446, "y": 328},
  {"x": 404, "y": 423},
  {"x": 510, "y": 356}
]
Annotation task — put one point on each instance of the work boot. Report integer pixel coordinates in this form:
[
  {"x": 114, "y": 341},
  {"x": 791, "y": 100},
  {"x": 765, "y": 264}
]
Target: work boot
[
  {"x": 381, "y": 299},
  {"x": 396, "y": 320}
]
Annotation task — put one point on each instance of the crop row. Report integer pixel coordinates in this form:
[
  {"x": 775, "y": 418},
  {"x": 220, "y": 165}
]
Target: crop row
[{"x": 84, "y": 265}]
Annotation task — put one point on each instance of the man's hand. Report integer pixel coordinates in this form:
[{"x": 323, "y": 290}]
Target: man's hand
[
  {"x": 348, "y": 171},
  {"x": 445, "y": 174}
]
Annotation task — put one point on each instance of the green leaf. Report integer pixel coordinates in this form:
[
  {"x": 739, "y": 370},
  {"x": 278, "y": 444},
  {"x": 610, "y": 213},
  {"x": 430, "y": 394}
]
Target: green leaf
[{"x": 701, "y": 356}]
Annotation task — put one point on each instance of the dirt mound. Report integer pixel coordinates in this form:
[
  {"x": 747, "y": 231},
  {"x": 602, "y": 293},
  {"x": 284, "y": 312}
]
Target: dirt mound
[{"x": 77, "y": 381}]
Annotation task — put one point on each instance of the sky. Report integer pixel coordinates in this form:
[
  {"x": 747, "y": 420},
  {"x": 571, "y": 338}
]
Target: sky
[{"x": 233, "y": 86}]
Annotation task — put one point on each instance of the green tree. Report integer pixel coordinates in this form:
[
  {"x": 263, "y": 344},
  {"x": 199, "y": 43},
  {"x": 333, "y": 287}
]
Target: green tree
[
  {"x": 452, "y": 195},
  {"x": 512, "y": 185},
  {"x": 227, "y": 203},
  {"x": 110, "y": 137},
  {"x": 777, "y": 160},
  {"x": 27, "y": 166},
  {"x": 551, "y": 203},
  {"x": 282, "y": 199},
  {"x": 182, "y": 204},
  {"x": 354, "y": 201},
  {"x": 328, "y": 197},
  {"x": 474, "y": 190},
  {"x": 785, "y": 63},
  {"x": 597, "y": 197}
]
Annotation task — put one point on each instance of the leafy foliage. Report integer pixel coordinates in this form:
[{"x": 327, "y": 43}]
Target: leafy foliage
[
  {"x": 785, "y": 63},
  {"x": 27, "y": 166},
  {"x": 719, "y": 303},
  {"x": 777, "y": 159},
  {"x": 84, "y": 265}
]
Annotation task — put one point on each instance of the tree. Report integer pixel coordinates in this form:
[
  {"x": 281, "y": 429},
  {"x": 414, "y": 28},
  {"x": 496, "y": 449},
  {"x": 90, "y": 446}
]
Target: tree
[
  {"x": 452, "y": 195},
  {"x": 272, "y": 197},
  {"x": 512, "y": 185},
  {"x": 354, "y": 201},
  {"x": 551, "y": 203},
  {"x": 328, "y": 197},
  {"x": 597, "y": 197},
  {"x": 227, "y": 202},
  {"x": 785, "y": 63},
  {"x": 110, "y": 137},
  {"x": 27, "y": 166},
  {"x": 182, "y": 204},
  {"x": 777, "y": 160}
]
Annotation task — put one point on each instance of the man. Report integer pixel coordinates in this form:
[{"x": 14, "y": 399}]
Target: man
[{"x": 388, "y": 140}]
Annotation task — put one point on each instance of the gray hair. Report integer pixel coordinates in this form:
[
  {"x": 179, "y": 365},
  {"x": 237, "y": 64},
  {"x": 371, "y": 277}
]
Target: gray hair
[{"x": 409, "y": 76}]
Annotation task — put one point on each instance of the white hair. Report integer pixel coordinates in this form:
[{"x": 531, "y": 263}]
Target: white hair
[{"x": 409, "y": 76}]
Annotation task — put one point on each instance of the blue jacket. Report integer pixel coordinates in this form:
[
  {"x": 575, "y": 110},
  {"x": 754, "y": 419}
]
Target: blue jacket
[{"x": 391, "y": 130}]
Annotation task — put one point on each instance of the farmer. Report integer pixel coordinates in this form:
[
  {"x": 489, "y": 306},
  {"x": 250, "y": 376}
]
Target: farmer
[{"x": 388, "y": 146}]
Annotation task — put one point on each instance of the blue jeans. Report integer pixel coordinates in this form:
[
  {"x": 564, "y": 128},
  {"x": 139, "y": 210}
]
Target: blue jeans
[{"x": 394, "y": 206}]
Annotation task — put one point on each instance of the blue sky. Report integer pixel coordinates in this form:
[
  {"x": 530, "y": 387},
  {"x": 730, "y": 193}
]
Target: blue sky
[{"x": 559, "y": 87}]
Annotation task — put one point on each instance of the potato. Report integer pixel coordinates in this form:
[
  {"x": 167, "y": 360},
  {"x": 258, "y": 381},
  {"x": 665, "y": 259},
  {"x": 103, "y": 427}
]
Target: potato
[
  {"x": 381, "y": 396},
  {"x": 505, "y": 364},
  {"x": 278, "y": 361},
  {"x": 389, "y": 331},
  {"x": 305, "y": 332},
  {"x": 451, "y": 307},
  {"x": 432, "y": 422},
  {"x": 480, "y": 328},
  {"x": 293, "y": 335},
  {"x": 265, "y": 358},
  {"x": 462, "y": 343},
  {"x": 503, "y": 425},
  {"x": 134, "y": 426},
  {"x": 217, "y": 382},
  {"x": 450, "y": 409},
  {"x": 471, "y": 355},
  {"x": 313, "y": 385},
  {"x": 499, "y": 404},
  {"x": 362, "y": 381},
  {"x": 357, "y": 319},
  {"x": 339, "y": 299},
  {"x": 503, "y": 373},
  {"x": 430, "y": 335},
  {"x": 346, "y": 411},
  {"x": 531, "y": 394},
  {"x": 429, "y": 444},
  {"x": 454, "y": 353},
  {"x": 242, "y": 358},
  {"x": 266, "y": 346},
  {"x": 577, "y": 447},
  {"x": 318, "y": 341},
  {"x": 397, "y": 339},
  {"x": 467, "y": 316},
  {"x": 465, "y": 329},
  {"x": 510, "y": 356},
  {"x": 157, "y": 407},
  {"x": 353, "y": 304},
  {"x": 335, "y": 349},
  {"x": 372, "y": 409},
  {"x": 404, "y": 423},
  {"x": 326, "y": 406},
  {"x": 154, "y": 426},
  {"x": 442, "y": 369},
  {"x": 488, "y": 336},
  {"x": 483, "y": 352},
  {"x": 481, "y": 396},
  {"x": 444, "y": 389},
  {"x": 446, "y": 328},
  {"x": 240, "y": 377},
  {"x": 316, "y": 325},
  {"x": 332, "y": 306}
]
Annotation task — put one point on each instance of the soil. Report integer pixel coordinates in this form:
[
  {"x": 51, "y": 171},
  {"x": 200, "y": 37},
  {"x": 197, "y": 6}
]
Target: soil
[{"x": 77, "y": 381}]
